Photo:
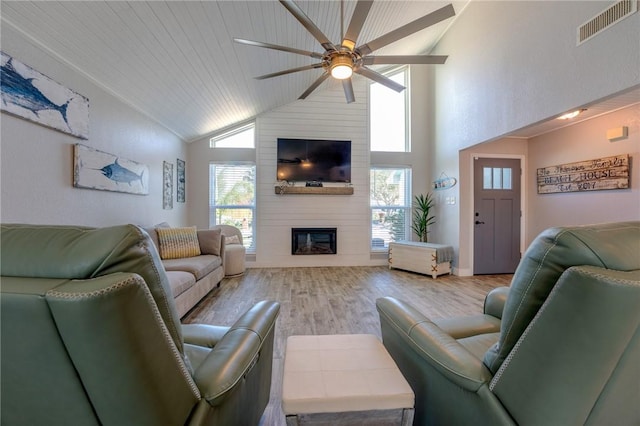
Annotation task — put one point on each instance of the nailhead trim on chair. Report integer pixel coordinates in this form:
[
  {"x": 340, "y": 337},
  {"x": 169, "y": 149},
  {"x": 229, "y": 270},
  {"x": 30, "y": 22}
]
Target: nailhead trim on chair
[{"x": 137, "y": 280}]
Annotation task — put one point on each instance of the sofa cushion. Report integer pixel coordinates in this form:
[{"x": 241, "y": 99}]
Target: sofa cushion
[
  {"x": 178, "y": 242},
  {"x": 199, "y": 266},
  {"x": 209, "y": 240},
  {"x": 180, "y": 281},
  {"x": 151, "y": 230}
]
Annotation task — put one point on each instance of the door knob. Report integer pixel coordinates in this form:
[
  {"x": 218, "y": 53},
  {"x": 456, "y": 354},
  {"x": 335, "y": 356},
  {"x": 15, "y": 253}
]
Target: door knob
[{"x": 479, "y": 223}]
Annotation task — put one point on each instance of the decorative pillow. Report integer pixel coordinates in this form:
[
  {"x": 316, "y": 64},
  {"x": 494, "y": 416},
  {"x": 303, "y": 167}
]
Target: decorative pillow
[
  {"x": 209, "y": 240},
  {"x": 232, "y": 240},
  {"x": 176, "y": 243}
]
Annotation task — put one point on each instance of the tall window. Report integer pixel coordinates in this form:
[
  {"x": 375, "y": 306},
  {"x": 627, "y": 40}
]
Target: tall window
[
  {"x": 388, "y": 120},
  {"x": 390, "y": 205},
  {"x": 240, "y": 137},
  {"x": 232, "y": 198}
]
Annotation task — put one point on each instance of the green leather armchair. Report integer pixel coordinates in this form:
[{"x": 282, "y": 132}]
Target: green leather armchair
[
  {"x": 90, "y": 336},
  {"x": 560, "y": 346}
]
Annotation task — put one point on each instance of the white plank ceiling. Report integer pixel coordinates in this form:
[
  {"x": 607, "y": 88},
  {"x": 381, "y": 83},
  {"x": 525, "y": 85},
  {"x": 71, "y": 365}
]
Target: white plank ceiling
[{"x": 176, "y": 60}]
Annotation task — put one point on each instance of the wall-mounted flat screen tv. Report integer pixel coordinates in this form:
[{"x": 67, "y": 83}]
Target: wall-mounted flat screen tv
[{"x": 314, "y": 160}]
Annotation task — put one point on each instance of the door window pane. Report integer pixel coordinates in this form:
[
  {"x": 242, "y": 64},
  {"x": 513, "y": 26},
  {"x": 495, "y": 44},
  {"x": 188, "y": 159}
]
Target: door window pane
[
  {"x": 487, "y": 173},
  {"x": 496, "y": 178},
  {"x": 506, "y": 178}
]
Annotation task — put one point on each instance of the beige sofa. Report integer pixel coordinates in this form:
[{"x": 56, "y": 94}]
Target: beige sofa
[
  {"x": 234, "y": 252},
  {"x": 191, "y": 278}
]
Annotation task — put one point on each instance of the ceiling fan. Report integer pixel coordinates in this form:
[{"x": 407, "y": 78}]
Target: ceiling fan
[{"x": 341, "y": 61}]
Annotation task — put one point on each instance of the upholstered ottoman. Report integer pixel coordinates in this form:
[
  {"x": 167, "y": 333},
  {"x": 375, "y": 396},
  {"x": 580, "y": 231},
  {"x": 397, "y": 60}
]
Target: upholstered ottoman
[{"x": 342, "y": 379}]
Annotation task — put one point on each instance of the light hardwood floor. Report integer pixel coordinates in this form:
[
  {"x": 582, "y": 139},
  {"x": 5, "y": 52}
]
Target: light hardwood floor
[{"x": 336, "y": 300}]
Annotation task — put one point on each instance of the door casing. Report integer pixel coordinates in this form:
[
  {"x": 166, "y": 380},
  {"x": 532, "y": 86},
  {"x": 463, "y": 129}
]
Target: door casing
[{"x": 468, "y": 214}]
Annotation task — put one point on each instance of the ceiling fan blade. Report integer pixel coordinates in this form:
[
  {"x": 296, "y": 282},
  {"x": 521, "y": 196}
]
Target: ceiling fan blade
[
  {"x": 289, "y": 71},
  {"x": 379, "y": 78},
  {"x": 357, "y": 21},
  {"x": 406, "y": 30},
  {"x": 406, "y": 59},
  {"x": 348, "y": 90},
  {"x": 277, "y": 47},
  {"x": 315, "y": 85},
  {"x": 295, "y": 10}
]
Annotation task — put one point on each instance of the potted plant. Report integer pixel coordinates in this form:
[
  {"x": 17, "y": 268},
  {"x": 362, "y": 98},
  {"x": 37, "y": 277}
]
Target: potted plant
[{"x": 421, "y": 219}]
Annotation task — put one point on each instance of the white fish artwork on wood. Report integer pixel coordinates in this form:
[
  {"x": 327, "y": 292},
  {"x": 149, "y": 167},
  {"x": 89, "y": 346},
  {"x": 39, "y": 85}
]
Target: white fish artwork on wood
[
  {"x": 28, "y": 94},
  {"x": 95, "y": 169}
]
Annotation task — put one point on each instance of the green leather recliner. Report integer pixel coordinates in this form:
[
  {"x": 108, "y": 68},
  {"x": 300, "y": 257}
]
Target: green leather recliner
[
  {"x": 91, "y": 336},
  {"x": 560, "y": 346}
]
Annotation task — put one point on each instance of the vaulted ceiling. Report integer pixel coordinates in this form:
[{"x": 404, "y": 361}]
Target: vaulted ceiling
[{"x": 176, "y": 60}]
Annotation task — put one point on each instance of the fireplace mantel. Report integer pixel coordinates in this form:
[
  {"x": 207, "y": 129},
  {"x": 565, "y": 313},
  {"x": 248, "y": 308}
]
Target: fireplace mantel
[{"x": 322, "y": 190}]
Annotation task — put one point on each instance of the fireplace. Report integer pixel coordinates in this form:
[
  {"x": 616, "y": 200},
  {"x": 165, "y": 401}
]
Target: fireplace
[{"x": 313, "y": 241}]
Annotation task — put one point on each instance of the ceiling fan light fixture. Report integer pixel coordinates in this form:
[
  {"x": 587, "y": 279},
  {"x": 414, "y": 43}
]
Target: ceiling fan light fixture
[
  {"x": 341, "y": 67},
  {"x": 340, "y": 61}
]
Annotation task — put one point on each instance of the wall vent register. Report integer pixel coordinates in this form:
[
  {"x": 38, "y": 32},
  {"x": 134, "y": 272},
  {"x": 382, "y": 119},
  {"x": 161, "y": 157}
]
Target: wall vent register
[{"x": 610, "y": 16}]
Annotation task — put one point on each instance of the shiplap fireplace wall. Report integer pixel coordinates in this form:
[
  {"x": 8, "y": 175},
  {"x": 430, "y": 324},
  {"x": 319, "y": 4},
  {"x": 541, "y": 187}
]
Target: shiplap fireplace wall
[{"x": 324, "y": 115}]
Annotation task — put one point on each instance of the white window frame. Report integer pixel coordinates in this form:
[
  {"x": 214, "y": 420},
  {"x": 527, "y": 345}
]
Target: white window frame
[
  {"x": 407, "y": 112},
  {"x": 251, "y": 247},
  {"x": 406, "y": 206},
  {"x": 214, "y": 141}
]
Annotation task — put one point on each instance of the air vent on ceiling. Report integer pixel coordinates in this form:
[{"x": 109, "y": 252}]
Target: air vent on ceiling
[{"x": 607, "y": 18}]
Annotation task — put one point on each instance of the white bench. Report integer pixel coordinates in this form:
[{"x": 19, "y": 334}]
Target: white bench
[
  {"x": 343, "y": 379},
  {"x": 423, "y": 258}
]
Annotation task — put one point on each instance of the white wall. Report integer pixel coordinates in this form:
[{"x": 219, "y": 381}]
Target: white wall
[
  {"x": 584, "y": 141},
  {"x": 37, "y": 162},
  {"x": 515, "y": 63}
]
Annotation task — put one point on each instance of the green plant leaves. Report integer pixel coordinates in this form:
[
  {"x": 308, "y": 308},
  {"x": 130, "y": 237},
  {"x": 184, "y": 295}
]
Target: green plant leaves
[{"x": 422, "y": 219}]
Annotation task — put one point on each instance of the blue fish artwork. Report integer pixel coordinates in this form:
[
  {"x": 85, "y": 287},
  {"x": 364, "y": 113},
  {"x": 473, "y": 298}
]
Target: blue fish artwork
[
  {"x": 21, "y": 91},
  {"x": 31, "y": 95},
  {"x": 119, "y": 174},
  {"x": 95, "y": 169}
]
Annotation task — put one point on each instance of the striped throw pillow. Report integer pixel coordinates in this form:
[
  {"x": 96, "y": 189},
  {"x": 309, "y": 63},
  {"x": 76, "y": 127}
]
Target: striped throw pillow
[{"x": 176, "y": 243}]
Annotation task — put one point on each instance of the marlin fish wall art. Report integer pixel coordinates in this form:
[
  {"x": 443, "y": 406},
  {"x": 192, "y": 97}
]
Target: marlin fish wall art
[
  {"x": 95, "y": 169},
  {"x": 29, "y": 94}
]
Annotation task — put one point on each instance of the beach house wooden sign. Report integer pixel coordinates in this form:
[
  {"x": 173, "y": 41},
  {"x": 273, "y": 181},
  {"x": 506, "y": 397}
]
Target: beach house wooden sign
[{"x": 591, "y": 175}]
